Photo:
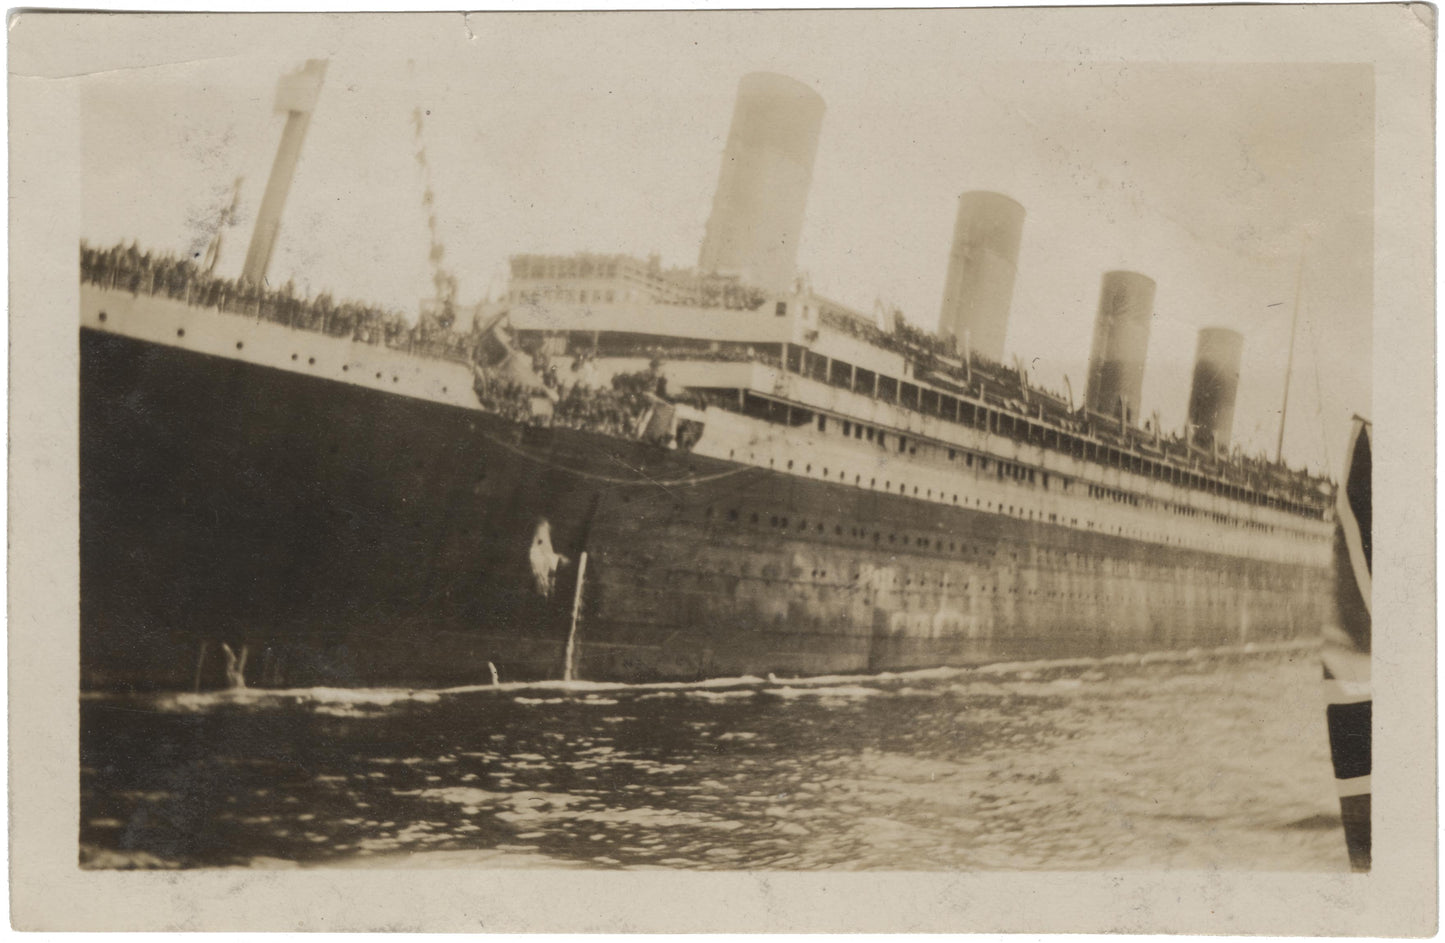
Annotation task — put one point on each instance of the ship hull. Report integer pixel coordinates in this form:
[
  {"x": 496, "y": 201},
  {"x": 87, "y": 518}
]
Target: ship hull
[{"x": 340, "y": 534}]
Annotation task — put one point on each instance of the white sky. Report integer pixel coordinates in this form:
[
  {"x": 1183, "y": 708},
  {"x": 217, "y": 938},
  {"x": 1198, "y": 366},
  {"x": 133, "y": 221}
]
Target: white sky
[{"x": 603, "y": 132}]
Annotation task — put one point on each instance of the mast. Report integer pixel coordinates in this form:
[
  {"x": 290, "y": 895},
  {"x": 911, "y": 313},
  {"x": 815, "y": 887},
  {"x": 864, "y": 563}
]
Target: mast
[
  {"x": 1289, "y": 363},
  {"x": 296, "y": 95}
]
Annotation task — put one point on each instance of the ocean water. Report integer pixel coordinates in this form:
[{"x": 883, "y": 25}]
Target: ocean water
[{"x": 1204, "y": 760}]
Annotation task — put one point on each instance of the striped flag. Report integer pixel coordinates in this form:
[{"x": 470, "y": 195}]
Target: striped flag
[{"x": 1347, "y": 648}]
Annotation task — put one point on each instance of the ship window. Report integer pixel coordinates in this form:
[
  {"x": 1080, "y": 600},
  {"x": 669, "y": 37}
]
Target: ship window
[
  {"x": 781, "y": 309},
  {"x": 311, "y": 361},
  {"x": 847, "y": 427},
  {"x": 293, "y": 356},
  {"x": 902, "y": 443},
  {"x": 790, "y": 464},
  {"x": 822, "y": 424},
  {"x": 857, "y": 431},
  {"x": 239, "y": 345},
  {"x": 864, "y": 381},
  {"x": 908, "y": 395}
]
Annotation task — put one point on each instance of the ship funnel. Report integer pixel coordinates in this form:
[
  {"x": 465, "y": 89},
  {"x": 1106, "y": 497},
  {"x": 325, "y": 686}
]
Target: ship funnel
[
  {"x": 1121, "y": 341},
  {"x": 981, "y": 270},
  {"x": 1216, "y": 381},
  {"x": 762, "y": 188}
]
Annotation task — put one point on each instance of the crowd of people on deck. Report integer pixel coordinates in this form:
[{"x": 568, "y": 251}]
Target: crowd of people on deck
[
  {"x": 507, "y": 398},
  {"x": 578, "y": 400},
  {"x": 170, "y": 275}
]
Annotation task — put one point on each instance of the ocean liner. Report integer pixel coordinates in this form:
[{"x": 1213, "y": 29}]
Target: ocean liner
[{"x": 623, "y": 472}]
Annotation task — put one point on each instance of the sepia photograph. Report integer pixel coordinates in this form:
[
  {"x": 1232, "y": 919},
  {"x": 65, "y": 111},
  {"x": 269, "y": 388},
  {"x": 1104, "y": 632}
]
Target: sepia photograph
[{"x": 800, "y": 442}]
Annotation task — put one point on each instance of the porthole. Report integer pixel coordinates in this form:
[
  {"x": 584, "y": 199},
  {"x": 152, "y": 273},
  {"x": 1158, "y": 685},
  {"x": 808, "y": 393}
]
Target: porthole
[
  {"x": 239, "y": 345},
  {"x": 311, "y": 361},
  {"x": 346, "y": 367},
  {"x": 180, "y": 331},
  {"x": 293, "y": 356},
  {"x": 102, "y": 316}
]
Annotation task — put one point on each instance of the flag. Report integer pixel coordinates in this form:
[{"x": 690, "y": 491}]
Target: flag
[{"x": 1346, "y": 654}]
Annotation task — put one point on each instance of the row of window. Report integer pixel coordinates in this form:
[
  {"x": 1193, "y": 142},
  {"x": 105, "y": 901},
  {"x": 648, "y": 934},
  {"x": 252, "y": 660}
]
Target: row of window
[
  {"x": 569, "y": 295},
  {"x": 1107, "y": 567},
  {"x": 1022, "y": 512},
  {"x": 932, "y": 402},
  {"x": 784, "y": 413}
]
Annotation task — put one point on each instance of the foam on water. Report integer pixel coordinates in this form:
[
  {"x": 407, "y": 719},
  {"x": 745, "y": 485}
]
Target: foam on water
[{"x": 362, "y": 702}]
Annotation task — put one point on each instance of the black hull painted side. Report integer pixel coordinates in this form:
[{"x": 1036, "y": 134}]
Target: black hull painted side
[{"x": 349, "y": 536}]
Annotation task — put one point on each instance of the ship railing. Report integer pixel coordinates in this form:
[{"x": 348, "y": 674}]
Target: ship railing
[{"x": 129, "y": 269}]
